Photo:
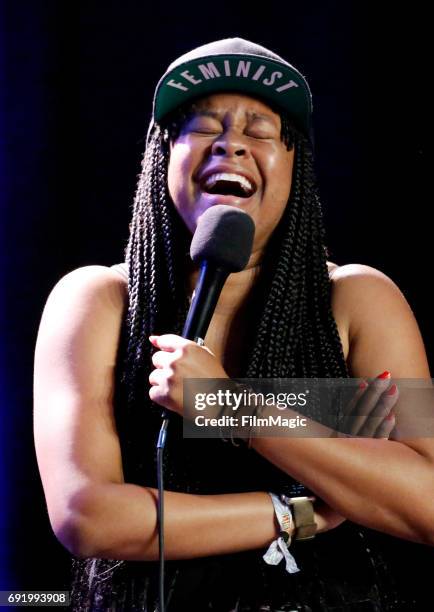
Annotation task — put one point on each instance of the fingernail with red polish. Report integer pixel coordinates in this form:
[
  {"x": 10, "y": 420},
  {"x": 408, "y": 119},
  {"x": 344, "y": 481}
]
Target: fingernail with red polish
[
  {"x": 384, "y": 375},
  {"x": 363, "y": 385},
  {"x": 392, "y": 390},
  {"x": 390, "y": 416}
]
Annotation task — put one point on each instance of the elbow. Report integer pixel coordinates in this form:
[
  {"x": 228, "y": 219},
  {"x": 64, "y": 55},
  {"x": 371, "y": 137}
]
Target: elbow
[
  {"x": 430, "y": 539},
  {"x": 73, "y": 526},
  {"x": 425, "y": 507},
  {"x": 424, "y": 536},
  {"x": 76, "y": 536},
  {"x": 428, "y": 536},
  {"x": 420, "y": 522}
]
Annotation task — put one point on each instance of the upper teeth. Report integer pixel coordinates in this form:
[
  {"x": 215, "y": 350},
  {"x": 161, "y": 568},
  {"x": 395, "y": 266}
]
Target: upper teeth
[{"x": 225, "y": 176}]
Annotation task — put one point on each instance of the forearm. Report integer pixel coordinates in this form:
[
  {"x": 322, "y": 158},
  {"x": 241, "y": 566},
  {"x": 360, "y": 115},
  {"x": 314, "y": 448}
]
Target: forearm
[
  {"x": 381, "y": 484},
  {"x": 119, "y": 521}
]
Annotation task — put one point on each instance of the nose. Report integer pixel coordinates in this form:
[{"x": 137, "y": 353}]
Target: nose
[{"x": 230, "y": 144}]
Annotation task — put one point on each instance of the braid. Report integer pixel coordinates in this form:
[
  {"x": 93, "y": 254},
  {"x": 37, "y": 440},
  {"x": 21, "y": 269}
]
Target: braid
[
  {"x": 155, "y": 286},
  {"x": 297, "y": 334}
]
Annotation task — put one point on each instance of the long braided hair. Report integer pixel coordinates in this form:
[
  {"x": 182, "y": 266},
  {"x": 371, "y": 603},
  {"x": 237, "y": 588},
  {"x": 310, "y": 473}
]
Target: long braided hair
[{"x": 294, "y": 335}]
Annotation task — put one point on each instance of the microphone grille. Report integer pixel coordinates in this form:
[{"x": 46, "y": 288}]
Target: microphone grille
[{"x": 224, "y": 237}]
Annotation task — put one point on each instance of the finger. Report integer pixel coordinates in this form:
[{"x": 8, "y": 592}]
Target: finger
[
  {"x": 357, "y": 416},
  {"x": 373, "y": 393},
  {"x": 162, "y": 359},
  {"x": 385, "y": 402},
  {"x": 369, "y": 400},
  {"x": 395, "y": 433},
  {"x": 361, "y": 404},
  {"x": 350, "y": 411},
  {"x": 386, "y": 427},
  {"x": 351, "y": 405},
  {"x": 169, "y": 342},
  {"x": 158, "y": 377},
  {"x": 379, "y": 412},
  {"x": 158, "y": 396}
]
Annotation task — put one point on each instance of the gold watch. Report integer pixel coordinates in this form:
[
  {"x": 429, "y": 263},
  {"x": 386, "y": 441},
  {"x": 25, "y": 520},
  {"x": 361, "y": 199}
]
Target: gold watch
[{"x": 304, "y": 517}]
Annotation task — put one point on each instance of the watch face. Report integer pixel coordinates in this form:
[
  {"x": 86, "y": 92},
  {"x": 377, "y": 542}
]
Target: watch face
[{"x": 297, "y": 489}]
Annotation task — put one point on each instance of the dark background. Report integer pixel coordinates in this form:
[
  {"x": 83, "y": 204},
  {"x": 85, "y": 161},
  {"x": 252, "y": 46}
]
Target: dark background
[{"x": 76, "y": 86}]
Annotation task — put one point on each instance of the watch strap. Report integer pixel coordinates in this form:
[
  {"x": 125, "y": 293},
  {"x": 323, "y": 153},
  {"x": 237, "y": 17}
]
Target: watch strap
[{"x": 304, "y": 517}]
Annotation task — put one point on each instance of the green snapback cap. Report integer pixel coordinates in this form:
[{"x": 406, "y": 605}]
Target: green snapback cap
[{"x": 235, "y": 65}]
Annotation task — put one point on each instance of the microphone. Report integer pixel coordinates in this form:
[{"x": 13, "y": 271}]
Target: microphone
[{"x": 222, "y": 244}]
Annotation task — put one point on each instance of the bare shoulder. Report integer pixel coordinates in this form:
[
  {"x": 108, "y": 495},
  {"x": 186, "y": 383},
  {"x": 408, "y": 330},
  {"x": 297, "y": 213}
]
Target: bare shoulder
[
  {"x": 90, "y": 291},
  {"x": 91, "y": 282},
  {"x": 80, "y": 325},
  {"x": 359, "y": 290},
  {"x": 357, "y": 271},
  {"x": 379, "y": 322}
]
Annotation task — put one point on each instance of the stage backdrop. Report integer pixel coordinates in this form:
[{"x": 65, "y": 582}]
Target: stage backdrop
[{"x": 76, "y": 90}]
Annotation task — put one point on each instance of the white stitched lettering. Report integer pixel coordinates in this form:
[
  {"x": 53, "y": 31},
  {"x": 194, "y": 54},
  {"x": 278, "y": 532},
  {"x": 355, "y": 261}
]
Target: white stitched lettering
[
  {"x": 177, "y": 85},
  {"x": 243, "y": 68},
  {"x": 258, "y": 73},
  {"x": 272, "y": 78},
  {"x": 209, "y": 70},
  {"x": 190, "y": 77},
  {"x": 286, "y": 86}
]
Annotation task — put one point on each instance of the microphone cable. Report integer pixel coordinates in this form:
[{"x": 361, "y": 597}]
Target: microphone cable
[
  {"x": 161, "y": 443},
  {"x": 160, "y": 507}
]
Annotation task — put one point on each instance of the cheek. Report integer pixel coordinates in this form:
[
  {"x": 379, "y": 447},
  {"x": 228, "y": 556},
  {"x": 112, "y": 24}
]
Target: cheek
[
  {"x": 174, "y": 174},
  {"x": 280, "y": 177},
  {"x": 179, "y": 171}
]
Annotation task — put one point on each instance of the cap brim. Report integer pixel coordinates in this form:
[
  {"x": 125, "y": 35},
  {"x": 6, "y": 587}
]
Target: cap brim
[{"x": 275, "y": 82}]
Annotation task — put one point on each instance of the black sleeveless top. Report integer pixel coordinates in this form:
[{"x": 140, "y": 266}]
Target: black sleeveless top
[{"x": 340, "y": 570}]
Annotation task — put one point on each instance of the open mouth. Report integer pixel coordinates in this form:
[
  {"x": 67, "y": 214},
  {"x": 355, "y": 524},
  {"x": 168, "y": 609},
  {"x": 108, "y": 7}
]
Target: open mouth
[{"x": 224, "y": 183}]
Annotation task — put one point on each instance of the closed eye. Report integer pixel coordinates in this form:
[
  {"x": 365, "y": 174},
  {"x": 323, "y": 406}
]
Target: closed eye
[
  {"x": 262, "y": 129},
  {"x": 202, "y": 125},
  {"x": 205, "y": 131},
  {"x": 261, "y": 136}
]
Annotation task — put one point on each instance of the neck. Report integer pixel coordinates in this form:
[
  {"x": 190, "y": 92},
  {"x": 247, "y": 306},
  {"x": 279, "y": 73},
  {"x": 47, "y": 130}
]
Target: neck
[{"x": 236, "y": 288}]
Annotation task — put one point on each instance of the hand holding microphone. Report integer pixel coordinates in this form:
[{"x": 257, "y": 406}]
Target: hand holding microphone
[{"x": 177, "y": 359}]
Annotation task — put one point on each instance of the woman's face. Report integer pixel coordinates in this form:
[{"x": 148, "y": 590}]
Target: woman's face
[{"x": 229, "y": 151}]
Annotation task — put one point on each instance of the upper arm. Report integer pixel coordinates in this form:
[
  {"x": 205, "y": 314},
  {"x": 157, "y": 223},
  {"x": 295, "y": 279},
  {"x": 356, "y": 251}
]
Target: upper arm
[
  {"x": 382, "y": 330},
  {"x": 75, "y": 434},
  {"x": 384, "y": 335}
]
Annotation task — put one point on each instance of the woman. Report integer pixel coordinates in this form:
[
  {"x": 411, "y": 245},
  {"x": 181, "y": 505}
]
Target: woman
[{"x": 231, "y": 124}]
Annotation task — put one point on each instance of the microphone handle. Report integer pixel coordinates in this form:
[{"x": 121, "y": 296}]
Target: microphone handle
[{"x": 206, "y": 295}]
